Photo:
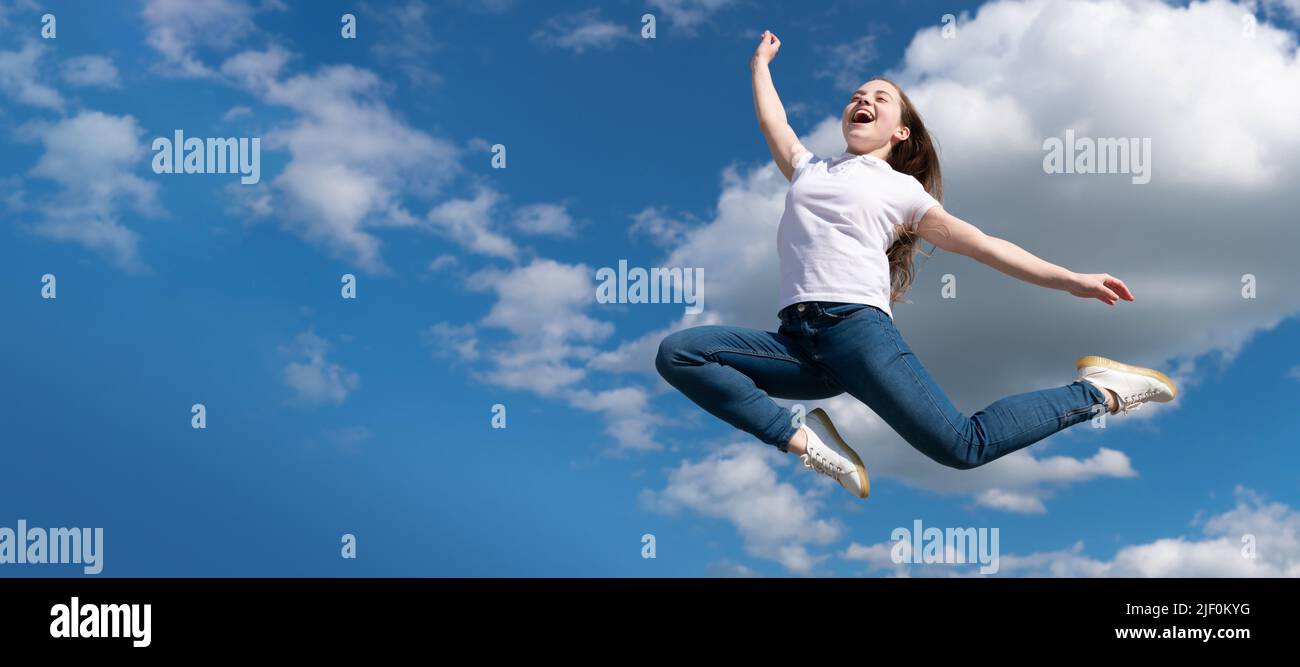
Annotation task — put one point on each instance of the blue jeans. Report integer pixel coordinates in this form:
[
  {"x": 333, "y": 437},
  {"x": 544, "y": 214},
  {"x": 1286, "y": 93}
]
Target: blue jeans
[{"x": 826, "y": 349}]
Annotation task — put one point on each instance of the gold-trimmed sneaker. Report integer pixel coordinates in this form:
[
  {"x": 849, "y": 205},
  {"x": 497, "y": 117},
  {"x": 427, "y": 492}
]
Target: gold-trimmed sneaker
[
  {"x": 1134, "y": 385},
  {"x": 829, "y": 454}
]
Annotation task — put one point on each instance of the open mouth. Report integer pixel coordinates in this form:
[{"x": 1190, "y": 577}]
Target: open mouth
[{"x": 861, "y": 116}]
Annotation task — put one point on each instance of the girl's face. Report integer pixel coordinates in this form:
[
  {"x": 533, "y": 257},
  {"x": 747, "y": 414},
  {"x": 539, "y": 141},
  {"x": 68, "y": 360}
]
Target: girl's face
[{"x": 873, "y": 117}]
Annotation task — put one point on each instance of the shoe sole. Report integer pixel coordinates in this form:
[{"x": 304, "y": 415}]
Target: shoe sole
[
  {"x": 1110, "y": 363},
  {"x": 825, "y": 419}
]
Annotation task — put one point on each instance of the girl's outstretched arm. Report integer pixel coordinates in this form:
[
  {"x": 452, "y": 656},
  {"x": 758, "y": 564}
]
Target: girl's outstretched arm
[
  {"x": 953, "y": 234},
  {"x": 781, "y": 139}
]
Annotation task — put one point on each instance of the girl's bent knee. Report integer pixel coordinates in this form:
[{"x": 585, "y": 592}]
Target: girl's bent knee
[{"x": 674, "y": 351}]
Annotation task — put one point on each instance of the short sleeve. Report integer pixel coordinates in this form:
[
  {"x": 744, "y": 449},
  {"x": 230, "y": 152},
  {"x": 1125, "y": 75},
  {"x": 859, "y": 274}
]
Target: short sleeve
[
  {"x": 922, "y": 202},
  {"x": 801, "y": 160}
]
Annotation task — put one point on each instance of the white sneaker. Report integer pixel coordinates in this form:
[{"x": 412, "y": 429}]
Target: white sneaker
[
  {"x": 827, "y": 453},
  {"x": 1133, "y": 385}
]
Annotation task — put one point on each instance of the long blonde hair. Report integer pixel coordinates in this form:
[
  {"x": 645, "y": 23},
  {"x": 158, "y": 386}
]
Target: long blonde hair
[{"x": 917, "y": 157}]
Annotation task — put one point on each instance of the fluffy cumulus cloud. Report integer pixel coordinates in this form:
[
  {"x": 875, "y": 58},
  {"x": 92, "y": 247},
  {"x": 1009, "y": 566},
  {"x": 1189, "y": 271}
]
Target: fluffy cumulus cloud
[
  {"x": 91, "y": 159},
  {"x": 548, "y": 337},
  {"x": 337, "y": 192},
  {"x": 1256, "y": 538},
  {"x": 739, "y": 484}
]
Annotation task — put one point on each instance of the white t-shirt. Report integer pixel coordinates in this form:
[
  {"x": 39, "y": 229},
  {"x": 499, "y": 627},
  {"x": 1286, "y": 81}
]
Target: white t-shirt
[{"x": 839, "y": 221}]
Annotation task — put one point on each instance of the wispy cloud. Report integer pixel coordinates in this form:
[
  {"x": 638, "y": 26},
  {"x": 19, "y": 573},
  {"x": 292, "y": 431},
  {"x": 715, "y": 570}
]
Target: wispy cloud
[
  {"x": 847, "y": 63},
  {"x": 408, "y": 42},
  {"x": 584, "y": 30},
  {"x": 180, "y": 29},
  {"x": 654, "y": 223},
  {"x": 316, "y": 380},
  {"x": 21, "y": 79},
  {"x": 544, "y": 220},
  {"x": 93, "y": 71},
  {"x": 688, "y": 15}
]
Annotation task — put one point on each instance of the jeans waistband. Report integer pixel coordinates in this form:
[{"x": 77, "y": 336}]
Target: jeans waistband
[{"x": 805, "y": 309}]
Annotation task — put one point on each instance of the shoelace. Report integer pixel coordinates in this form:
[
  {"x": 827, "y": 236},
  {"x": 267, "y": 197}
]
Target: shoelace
[
  {"x": 813, "y": 459},
  {"x": 1134, "y": 402}
]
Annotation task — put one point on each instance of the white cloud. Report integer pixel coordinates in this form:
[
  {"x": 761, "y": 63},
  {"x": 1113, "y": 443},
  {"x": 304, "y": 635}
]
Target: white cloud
[
  {"x": 349, "y": 438},
  {"x": 543, "y": 301},
  {"x": 181, "y": 29},
  {"x": 629, "y": 418},
  {"x": 687, "y": 15},
  {"x": 352, "y": 159},
  {"x": 470, "y": 223},
  {"x": 877, "y": 556},
  {"x": 654, "y": 223},
  {"x": 94, "y": 71},
  {"x": 317, "y": 381},
  {"x": 1290, "y": 6},
  {"x": 20, "y": 77},
  {"x": 441, "y": 262},
  {"x": 238, "y": 111},
  {"x": 551, "y": 338},
  {"x": 544, "y": 219},
  {"x": 738, "y": 484},
  {"x": 1219, "y": 551},
  {"x": 1255, "y": 538},
  {"x": 251, "y": 202},
  {"x": 485, "y": 6},
  {"x": 453, "y": 341},
  {"x": 409, "y": 39},
  {"x": 541, "y": 304},
  {"x": 258, "y": 71},
  {"x": 91, "y": 156},
  {"x": 1011, "y": 501},
  {"x": 725, "y": 569},
  {"x": 7, "y": 9},
  {"x": 1037, "y": 56},
  {"x": 583, "y": 30},
  {"x": 846, "y": 64}
]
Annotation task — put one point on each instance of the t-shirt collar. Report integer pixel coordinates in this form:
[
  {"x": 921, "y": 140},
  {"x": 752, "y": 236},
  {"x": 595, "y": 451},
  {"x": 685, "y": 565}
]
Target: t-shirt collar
[{"x": 869, "y": 159}]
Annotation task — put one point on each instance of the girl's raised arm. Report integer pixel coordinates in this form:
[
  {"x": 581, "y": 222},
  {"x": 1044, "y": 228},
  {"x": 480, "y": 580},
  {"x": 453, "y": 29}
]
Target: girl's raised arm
[{"x": 781, "y": 139}]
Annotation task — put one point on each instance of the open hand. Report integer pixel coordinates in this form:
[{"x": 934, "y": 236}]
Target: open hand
[{"x": 1102, "y": 286}]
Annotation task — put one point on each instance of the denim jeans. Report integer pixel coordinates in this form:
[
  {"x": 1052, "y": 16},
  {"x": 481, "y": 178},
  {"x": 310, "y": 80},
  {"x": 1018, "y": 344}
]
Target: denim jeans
[{"x": 827, "y": 349}]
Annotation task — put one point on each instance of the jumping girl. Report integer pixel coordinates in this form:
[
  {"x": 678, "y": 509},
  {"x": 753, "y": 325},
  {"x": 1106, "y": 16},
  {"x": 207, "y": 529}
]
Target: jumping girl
[{"x": 846, "y": 244}]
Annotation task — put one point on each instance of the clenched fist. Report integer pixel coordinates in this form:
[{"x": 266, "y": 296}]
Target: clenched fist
[{"x": 767, "y": 48}]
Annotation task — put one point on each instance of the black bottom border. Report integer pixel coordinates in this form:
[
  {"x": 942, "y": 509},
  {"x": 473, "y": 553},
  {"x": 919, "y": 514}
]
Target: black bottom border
[{"x": 545, "y": 615}]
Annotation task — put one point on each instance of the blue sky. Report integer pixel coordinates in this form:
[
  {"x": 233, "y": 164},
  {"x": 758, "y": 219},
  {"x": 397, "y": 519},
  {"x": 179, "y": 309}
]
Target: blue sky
[{"x": 371, "y": 416}]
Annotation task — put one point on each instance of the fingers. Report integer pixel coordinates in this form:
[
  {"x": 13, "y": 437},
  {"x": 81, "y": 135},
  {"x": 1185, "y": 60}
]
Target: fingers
[
  {"x": 1119, "y": 286},
  {"x": 1108, "y": 296}
]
